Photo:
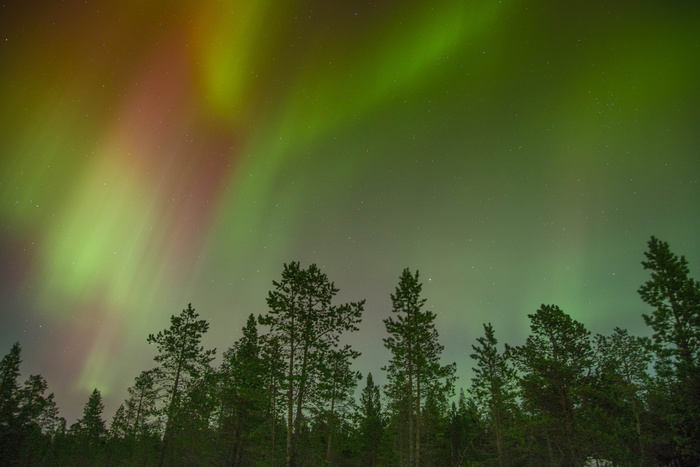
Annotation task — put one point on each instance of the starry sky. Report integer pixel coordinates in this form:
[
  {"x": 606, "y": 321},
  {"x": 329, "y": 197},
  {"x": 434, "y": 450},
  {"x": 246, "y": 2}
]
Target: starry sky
[{"x": 152, "y": 154}]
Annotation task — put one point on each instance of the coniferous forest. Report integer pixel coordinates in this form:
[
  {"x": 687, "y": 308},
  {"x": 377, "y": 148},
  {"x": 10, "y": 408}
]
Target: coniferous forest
[{"x": 286, "y": 393}]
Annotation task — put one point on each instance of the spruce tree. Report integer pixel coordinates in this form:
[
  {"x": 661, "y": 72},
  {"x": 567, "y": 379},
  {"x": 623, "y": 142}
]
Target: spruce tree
[
  {"x": 371, "y": 423},
  {"x": 90, "y": 431}
]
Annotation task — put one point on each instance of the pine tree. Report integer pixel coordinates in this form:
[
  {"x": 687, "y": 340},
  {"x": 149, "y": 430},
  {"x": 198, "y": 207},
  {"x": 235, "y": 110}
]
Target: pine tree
[
  {"x": 306, "y": 326},
  {"x": 135, "y": 426},
  {"x": 555, "y": 362},
  {"x": 274, "y": 370},
  {"x": 195, "y": 421},
  {"x": 37, "y": 409},
  {"x": 28, "y": 417},
  {"x": 142, "y": 404},
  {"x": 9, "y": 372},
  {"x": 335, "y": 393},
  {"x": 493, "y": 387},
  {"x": 183, "y": 361},
  {"x": 675, "y": 298},
  {"x": 9, "y": 404},
  {"x": 414, "y": 370},
  {"x": 38, "y": 419},
  {"x": 616, "y": 425},
  {"x": 243, "y": 396},
  {"x": 675, "y": 321}
]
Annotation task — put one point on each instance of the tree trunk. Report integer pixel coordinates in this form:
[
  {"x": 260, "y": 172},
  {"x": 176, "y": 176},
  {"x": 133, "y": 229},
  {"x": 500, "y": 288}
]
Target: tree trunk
[
  {"x": 418, "y": 418},
  {"x": 289, "y": 461},
  {"x": 171, "y": 411},
  {"x": 410, "y": 418},
  {"x": 499, "y": 438},
  {"x": 237, "y": 442},
  {"x": 331, "y": 425},
  {"x": 273, "y": 419},
  {"x": 300, "y": 403}
]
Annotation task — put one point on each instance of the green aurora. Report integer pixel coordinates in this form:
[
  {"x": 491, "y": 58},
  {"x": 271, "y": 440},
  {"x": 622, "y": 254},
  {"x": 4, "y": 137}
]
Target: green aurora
[{"x": 514, "y": 152}]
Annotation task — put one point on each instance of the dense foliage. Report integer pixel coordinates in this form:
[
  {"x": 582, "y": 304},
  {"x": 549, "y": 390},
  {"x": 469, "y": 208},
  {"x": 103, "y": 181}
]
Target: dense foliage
[{"x": 285, "y": 393}]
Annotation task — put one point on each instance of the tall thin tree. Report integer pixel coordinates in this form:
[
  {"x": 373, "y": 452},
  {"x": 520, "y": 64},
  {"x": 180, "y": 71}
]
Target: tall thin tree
[
  {"x": 306, "y": 326},
  {"x": 244, "y": 397},
  {"x": 183, "y": 360},
  {"x": 414, "y": 368},
  {"x": 91, "y": 431},
  {"x": 675, "y": 322},
  {"x": 493, "y": 387}
]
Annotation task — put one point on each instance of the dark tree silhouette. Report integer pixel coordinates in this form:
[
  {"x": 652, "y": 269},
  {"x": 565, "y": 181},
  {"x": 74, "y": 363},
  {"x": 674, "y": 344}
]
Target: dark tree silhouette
[
  {"x": 559, "y": 399},
  {"x": 183, "y": 361},
  {"x": 554, "y": 363},
  {"x": 493, "y": 387},
  {"x": 243, "y": 399},
  {"x": 136, "y": 425},
  {"x": 10, "y": 436},
  {"x": 306, "y": 326},
  {"x": 675, "y": 322},
  {"x": 414, "y": 370},
  {"x": 90, "y": 431},
  {"x": 371, "y": 423},
  {"x": 336, "y": 383},
  {"x": 28, "y": 417},
  {"x": 616, "y": 425}
]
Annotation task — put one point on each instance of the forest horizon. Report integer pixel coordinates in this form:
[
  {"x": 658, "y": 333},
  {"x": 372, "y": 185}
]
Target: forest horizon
[
  {"x": 158, "y": 154},
  {"x": 286, "y": 392},
  {"x": 450, "y": 179}
]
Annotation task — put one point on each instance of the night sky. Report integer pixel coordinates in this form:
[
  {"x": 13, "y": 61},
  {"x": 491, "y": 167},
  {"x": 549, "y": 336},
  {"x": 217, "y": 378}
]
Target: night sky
[{"x": 158, "y": 153}]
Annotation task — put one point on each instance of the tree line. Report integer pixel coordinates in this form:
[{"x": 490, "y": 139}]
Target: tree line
[{"x": 285, "y": 392}]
